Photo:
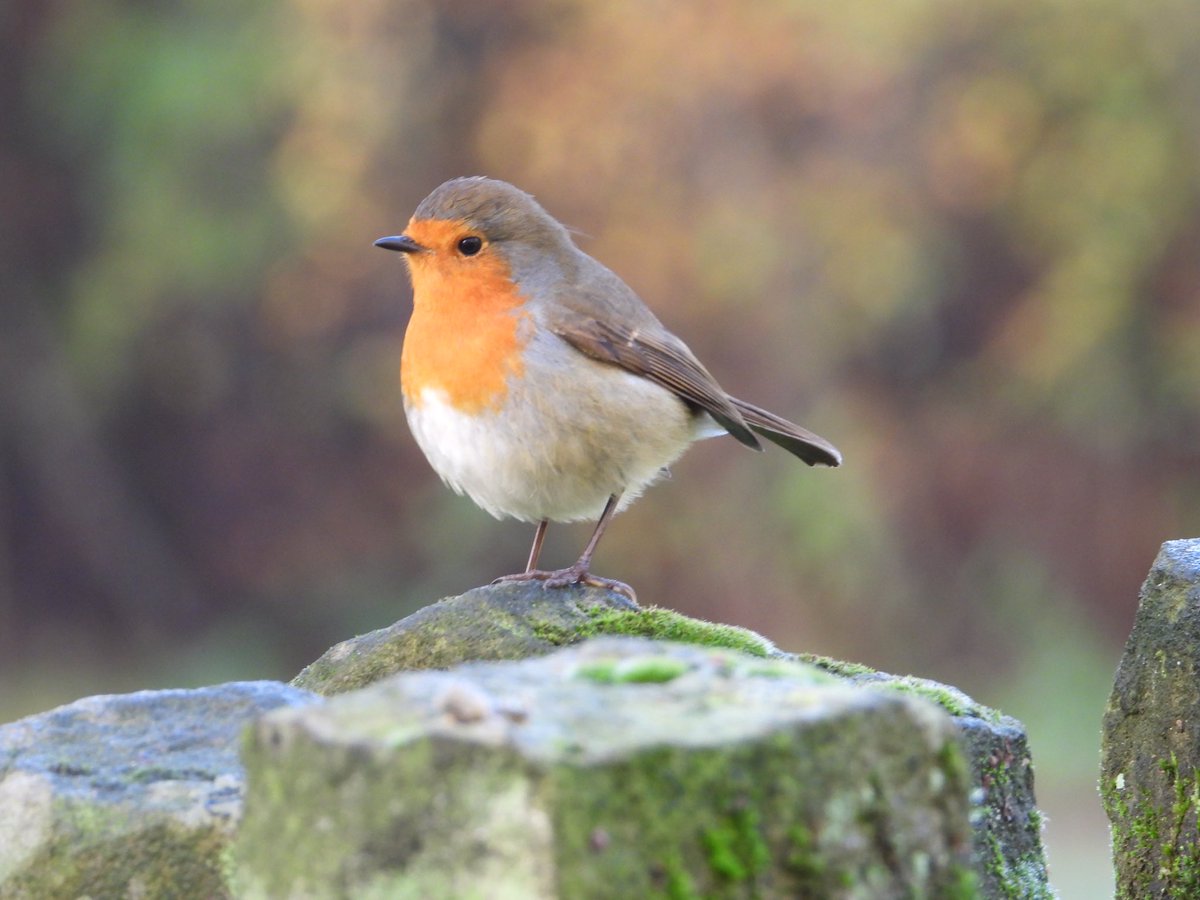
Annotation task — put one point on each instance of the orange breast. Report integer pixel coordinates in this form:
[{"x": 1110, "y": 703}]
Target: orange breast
[{"x": 463, "y": 337}]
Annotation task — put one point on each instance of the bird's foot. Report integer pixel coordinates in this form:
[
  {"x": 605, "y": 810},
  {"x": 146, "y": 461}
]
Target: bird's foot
[{"x": 575, "y": 574}]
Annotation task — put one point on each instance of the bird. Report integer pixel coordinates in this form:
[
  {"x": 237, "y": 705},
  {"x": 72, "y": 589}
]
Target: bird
[{"x": 536, "y": 382}]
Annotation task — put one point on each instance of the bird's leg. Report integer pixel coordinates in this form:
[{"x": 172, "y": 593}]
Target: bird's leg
[
  {"x": 578, "y": 573},
  {"x": 585, "y": 559},
  {"x": 536, "y": 550}
]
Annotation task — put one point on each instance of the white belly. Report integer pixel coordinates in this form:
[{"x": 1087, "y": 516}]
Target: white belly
[{"x": 554, "y": 451}]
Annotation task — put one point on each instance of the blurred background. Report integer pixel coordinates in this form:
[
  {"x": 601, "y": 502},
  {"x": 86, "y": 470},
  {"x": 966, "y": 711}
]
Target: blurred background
[{"x": 961, "y": 240}]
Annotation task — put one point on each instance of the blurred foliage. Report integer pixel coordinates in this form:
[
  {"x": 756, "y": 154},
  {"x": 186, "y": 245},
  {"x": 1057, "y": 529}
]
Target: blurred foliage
[{"x": 961, "y": 240}]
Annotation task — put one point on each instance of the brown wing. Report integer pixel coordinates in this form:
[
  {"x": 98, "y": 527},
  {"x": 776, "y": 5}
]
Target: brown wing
[
  {"x": 811, "y": 448},
  {"x": 664, "y": 360}
]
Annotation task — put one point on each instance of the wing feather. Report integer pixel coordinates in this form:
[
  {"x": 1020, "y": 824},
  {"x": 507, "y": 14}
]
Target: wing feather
[{"x": 664, "y": 360}]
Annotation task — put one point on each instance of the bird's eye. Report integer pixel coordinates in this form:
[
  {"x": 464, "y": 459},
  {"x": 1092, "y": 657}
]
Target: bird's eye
[{"x": 469, "y": 246}]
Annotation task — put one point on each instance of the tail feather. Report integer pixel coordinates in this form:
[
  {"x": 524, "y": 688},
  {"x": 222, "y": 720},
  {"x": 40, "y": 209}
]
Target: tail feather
[{"x": 811, "y": 448}]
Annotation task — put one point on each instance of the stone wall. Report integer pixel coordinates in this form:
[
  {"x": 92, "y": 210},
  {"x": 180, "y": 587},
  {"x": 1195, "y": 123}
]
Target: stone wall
[{"x": 514, "y": 742}]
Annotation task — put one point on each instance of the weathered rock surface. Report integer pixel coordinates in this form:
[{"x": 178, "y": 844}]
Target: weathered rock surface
[
  {"x": 1150, "y": 756},
  {"x": 620, "y": 768},
  {"x": 132, "y": 795},
  {"x": 504, "y": 621},
  {"x": 1007, "y": 851},
  {"x": 516, "y": 621},
  {"x": 139, "y": 795}
]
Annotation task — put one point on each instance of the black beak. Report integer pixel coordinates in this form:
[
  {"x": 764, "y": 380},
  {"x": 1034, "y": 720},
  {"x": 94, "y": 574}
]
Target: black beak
[{"x": 401, "y": 242}]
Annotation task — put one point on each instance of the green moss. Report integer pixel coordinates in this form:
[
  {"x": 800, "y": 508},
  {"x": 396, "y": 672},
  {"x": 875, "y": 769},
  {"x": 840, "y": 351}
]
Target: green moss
[
  {"x": 601, "y": 671},
  {"x": 692, "y": 810},
  {"x": 1023, "y": 879},
  {"x": 736, "y": 849},
  {"x": 722, "y": 855},
  {"x": 679, "y": 882},
  {"x": 952, "y": 701},
  {"x": 836, "y": 666},
  {"x": 1162, "y": 841},
  {"x": 1144, "y": 829},
  {"x": 651, "y": 670},
  {"x": 668, "y": 625},
  {"x": 777, "y": 669},
  {"x": 655, "y": 623},
  {"x": 804, "y": 859},
  {"x": 996, "y": 772},
  {"x": 706, "y": 812},
  {"x": 554, "y": 633},
  {"x": 658, "y": 669},
  {"x": 1180, "y": 855},
  {"x": 227, "y": 865},
  {"x": 1133, "y": 836},
  {"x": 1036, "y": 821},
  {"x": 638, "y": 670},
  {"x": 109, "y": 856},
  {"x": 963, "y": 886},
  {"x": 954, "y": 762},
  {"x": 947, "y": 700}
]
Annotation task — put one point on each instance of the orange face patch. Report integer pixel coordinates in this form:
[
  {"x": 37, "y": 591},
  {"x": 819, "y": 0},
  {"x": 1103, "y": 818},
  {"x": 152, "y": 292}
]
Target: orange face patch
[{"x": 462, "y": 338}]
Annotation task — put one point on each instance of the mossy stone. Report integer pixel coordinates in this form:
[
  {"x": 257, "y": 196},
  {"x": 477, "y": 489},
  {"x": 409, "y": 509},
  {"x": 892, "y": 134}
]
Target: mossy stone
[{"x": 1150, "y": 754}]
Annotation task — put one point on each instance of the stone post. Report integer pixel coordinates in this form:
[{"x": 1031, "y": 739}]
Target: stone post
[{"x": 1151, "y": 743}]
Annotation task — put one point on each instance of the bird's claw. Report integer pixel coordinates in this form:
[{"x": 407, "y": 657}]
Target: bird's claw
[{"x": 559, "y": 578}]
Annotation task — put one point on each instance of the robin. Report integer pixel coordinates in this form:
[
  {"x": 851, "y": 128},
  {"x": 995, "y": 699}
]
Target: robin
[{"x": 538, "y": 383}]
